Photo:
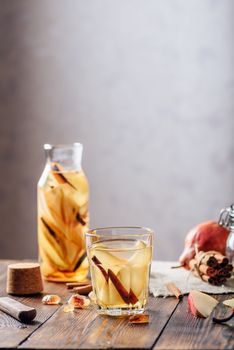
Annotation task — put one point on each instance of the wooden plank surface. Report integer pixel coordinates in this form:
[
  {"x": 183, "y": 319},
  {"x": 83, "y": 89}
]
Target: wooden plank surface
[
  {"x": 13, "y": 332},
  {"x": 184, "y": 331},
  {"x": 84, "y": 329},
  {"x": 170, "y": 327}
]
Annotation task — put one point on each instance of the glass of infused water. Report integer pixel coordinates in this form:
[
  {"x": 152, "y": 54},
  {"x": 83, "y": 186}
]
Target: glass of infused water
[{"x": 120, "y": 260}]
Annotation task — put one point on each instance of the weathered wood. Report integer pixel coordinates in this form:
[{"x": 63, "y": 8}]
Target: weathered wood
[
  {"x": 184, "y": 331},
  {"x": 85, "y": 330},
  {"x": 121, "y": 334},
  {"x": 170, "y": 327},
  {"x": 13, "y": 332}
]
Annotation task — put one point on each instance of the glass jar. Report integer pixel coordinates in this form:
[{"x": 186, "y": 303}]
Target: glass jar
[
  {"x": 63, "y": 214},
  {"x": 226, "y": 219}
]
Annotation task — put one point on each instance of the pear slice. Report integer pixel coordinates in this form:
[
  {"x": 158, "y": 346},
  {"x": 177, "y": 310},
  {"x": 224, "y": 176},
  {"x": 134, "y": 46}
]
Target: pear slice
[
  {"x": 62, "y": 210},
  {"x": 142, "y": 255},
  {"x": 50, "y": 250},
  {"x": 69, "y": 206},
  {"x": 50, "y": 205},
  {"x": 73, "y": 252},
  {"x": 117, "y": 292},
  {"x": 100, "y": 284},
  {"x": 47, "y": 266},
  {"x": 58, "y": 174},
  {"x": 139, "y": 264},
  {"x": 84, "y": 265},
  {"x": 114, "y": 296},
  {"x": 107, "y": 292},
  {"x": 116, "y": 285},
  {"x": 229, "y": 303},
  {"x": 139, "y": 279},
  {"x": 107, "y": 259},
  {"x": 201, "y": 304},
  {"x": 61, "y": 203},
  {"x": 123, "y": 276},
  {"x": 80, "y": 183},
  {"x": 75, "y": 179}
]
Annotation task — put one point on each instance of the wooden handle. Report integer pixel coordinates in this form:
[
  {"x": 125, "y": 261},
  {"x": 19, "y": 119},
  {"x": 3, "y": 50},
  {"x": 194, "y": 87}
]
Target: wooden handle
[{"x": 14, "y": 308}]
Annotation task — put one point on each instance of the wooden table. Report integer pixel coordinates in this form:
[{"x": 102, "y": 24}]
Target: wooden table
[{"x": 171, "y": 326}]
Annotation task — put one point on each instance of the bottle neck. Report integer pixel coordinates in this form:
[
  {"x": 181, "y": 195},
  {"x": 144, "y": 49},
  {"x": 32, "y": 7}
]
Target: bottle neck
[{"x": 67, "y": 157}]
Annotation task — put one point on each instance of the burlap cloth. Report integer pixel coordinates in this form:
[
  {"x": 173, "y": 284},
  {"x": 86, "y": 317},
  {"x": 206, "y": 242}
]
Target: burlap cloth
[{"x": 161, "y": 273}]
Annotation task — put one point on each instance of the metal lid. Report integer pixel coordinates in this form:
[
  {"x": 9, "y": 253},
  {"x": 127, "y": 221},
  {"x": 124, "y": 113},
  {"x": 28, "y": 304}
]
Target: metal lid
[{"x": 226, "y": 217}]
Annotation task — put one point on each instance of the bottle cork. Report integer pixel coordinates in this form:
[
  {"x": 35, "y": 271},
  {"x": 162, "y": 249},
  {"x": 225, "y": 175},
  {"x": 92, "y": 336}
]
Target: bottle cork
[{"x": 24, "y": 279}]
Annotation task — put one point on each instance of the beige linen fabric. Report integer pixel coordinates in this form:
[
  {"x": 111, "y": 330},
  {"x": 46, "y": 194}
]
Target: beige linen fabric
[{"x": 161, "y": 273}]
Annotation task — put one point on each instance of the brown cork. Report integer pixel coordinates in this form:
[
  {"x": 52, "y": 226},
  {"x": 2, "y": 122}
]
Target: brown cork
[{"x": 24, "y": 279}]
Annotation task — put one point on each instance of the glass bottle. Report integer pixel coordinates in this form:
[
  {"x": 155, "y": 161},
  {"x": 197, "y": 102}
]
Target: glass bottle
[
  {"x": 63, "y": 214},
  {"x": 227, "y": 219}
]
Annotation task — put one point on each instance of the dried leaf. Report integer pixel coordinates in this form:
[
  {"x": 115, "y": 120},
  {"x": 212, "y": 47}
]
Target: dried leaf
[{"x": 229, "y": 303}]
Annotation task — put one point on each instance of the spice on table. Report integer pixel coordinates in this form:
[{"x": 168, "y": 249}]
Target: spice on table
[
  {"x": 139, "y": 319},
  {"x": 174, "y": 290},
  {"x": 211, "y": 267},
  {"x": 79, "y": 301},
  {"x": 51, "y": 299},
  {"x": 68, "y": 308},
  {"x": 71, "y": 285},
  {"x": 83, "y": 290}
]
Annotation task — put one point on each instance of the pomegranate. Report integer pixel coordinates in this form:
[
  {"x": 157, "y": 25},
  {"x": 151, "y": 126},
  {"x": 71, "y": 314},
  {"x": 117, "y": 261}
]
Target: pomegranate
[{"x": 206, "y": 236}]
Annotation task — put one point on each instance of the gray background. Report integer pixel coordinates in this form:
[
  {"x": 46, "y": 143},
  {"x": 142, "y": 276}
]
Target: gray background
[{"x": 146, "y": 86}]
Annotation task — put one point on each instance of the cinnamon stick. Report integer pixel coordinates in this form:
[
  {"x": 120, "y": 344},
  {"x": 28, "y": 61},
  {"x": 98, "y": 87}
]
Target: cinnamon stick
[
  {"x": 83, "y": 290},
  {"x": 220, "y": 280},
  {"x": 224, "y": 274},
  {"x": 71, "y": 285},
  {"x": 174, "y": 290},
  {"x": 212, "y": 267},
  {"x": 221, "y": 259},
  {"x": 203, "y": 269},
  {"x": 210, "y": 261},
  {"x": 229, "y": 267},
  {"x": 206, "y": 278},
  {"x": 207, "y": 270}
]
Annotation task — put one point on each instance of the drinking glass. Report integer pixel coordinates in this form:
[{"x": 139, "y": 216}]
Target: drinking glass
[{"x": 120, "y": 259}]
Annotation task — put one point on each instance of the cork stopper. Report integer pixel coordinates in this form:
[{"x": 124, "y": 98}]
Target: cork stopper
[{"x": 24, "y": 279}]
